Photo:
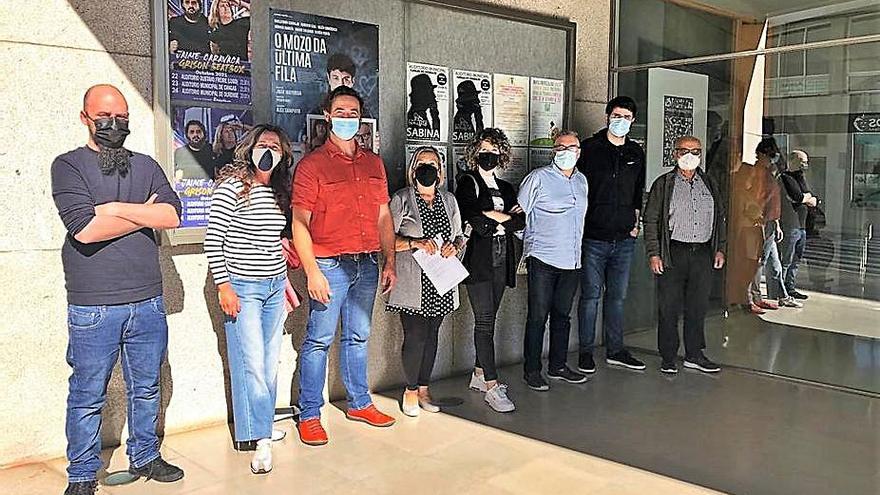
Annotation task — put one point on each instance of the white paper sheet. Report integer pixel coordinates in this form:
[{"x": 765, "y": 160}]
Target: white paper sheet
[{"x": 444, "y": 273}]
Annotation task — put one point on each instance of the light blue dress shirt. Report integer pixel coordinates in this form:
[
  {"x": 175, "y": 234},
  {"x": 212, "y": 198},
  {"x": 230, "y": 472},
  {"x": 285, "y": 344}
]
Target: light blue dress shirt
[{"x": 555, "y": 208}]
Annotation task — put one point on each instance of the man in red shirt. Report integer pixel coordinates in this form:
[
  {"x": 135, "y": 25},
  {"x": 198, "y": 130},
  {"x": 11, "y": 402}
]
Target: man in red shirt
[{"x": 340, "y": 221}]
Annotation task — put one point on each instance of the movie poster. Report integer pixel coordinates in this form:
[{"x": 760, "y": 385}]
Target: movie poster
[
  {"x": 209, "y": 51},
  {"x": 678, "y": 120},
  {"x": 204, "y": 141},
  {"x": 311, "y": 55},
  {"x": 545, "y": 111},
  {"x": 511, "y": 107},
  {"x": 472, "y": 93},
  {"x": 450, "y": 180},
  {"x": 427, "y": 88}
]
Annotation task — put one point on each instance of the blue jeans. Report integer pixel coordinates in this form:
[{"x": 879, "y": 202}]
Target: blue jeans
[
  {"x": 98, "y": 335},
  {"x": 792, "y": 254},
  {"x": 605, "y": 264},
  {"x": 253, "y": 343},
  {"x": 353, "y": 282}
]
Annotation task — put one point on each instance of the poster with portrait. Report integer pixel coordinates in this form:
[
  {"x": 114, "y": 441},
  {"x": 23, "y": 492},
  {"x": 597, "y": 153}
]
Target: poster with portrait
[
  {"x": 472, "y": 92},
  {"x": 311, "y": 55},
  {"x": 204, "y": 139},
  {"x": 545, "y": 111},
  {"x": 411, "y": 148},
  {"x": 427, "y": 105},
  {"x": 540, "y": 157},
  {"x": 511, "y": 107},
  {"x": 209, "y": 51},
  {"x": 678, "y": 120},
  {"x": 518, "y": 168}
]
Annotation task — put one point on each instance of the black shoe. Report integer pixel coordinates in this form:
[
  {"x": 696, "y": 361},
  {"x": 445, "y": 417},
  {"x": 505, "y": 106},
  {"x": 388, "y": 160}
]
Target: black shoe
[
  {"x": 158, "y": 470},
  {"x": 701, "y": 363},
  {"x": 567, "y": 375},
  {"x": 625, "y": 359},
  {"x": 798, "y": 295},
  {"x": 536, "y": 382},
  {"x": 586, "y": 363},
  {"x": 81, "y": 488},
  {"x": 669, "y": 367}
]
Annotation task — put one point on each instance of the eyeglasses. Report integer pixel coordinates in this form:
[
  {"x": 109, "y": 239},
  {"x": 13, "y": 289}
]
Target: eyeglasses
[
  {"x": 693, "y": 151},
  {"x": 570, "y": 147},
  {"x": 624, "y": 117}
]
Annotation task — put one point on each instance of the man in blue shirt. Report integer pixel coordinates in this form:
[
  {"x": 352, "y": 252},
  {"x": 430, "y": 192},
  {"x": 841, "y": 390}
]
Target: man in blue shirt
[{"x": 554, "y": 199}]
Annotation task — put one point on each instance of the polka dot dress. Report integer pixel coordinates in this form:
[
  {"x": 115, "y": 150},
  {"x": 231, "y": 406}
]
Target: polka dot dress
[{"x": 434, "y": 221}]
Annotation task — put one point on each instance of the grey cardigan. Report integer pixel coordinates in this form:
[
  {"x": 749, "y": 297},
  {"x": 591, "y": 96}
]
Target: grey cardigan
[{"x": 407, "y": 292}]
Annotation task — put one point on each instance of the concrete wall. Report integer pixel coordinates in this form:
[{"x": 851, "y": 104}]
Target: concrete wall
[{"x": 57, "y": 48}]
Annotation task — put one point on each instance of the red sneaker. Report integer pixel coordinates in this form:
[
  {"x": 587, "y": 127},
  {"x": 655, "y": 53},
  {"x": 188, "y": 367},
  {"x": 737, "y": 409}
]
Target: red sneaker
[
  {"x": 767, "y": 305},
  {"x": 371, "y": 416},
  {"x": 755, "y": 310},
  {"x": 311, "y": 432}
]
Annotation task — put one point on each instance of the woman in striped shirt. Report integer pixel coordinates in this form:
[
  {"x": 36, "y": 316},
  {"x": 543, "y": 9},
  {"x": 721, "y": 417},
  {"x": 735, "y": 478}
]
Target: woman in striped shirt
[{"x": 250, "y": 212}]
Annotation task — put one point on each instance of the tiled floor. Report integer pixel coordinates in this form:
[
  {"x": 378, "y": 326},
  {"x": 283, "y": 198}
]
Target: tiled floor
[{"x": 435, "y": 453}]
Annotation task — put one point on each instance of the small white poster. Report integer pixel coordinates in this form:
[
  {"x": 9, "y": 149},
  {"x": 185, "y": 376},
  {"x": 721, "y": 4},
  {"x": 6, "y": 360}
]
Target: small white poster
[
  {"x": 518, "y": 168},
  {"x": 473, "y": 104},
  {"x": 428, "y": 102},
  {"x": 511, "y": 107},
  {"x": 545, "y": 111}
]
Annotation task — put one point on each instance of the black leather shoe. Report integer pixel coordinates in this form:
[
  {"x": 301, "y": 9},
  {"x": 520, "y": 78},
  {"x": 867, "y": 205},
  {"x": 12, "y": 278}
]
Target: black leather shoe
[
  {"x": 158, "y": 470},
  {"x": 798, "y": 295}
]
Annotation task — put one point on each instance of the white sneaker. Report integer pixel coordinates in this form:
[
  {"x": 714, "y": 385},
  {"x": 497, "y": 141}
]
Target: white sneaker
[
  {"x": 261, "y": 462},
  {"x": 790, "y": 302},
  {"x": 497, "y": 399},
  {"x": 478, "y": 383},
  {"x": 278, "y": 435},
  {"x": 410, "y": 404}
]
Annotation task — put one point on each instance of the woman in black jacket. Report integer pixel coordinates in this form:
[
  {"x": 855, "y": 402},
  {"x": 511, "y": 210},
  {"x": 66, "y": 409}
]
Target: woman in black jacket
[{"x": 490, "y": 212}]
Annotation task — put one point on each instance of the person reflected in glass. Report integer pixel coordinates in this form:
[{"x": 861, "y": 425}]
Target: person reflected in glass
[{"x": 797, "y": 192}]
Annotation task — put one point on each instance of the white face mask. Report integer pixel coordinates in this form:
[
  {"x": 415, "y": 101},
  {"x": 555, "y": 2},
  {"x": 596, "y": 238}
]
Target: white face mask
[
  {"x": 689, "y": 162},
  {"x": 565, "y": 160},
  {"x": 265, "y": 159}
]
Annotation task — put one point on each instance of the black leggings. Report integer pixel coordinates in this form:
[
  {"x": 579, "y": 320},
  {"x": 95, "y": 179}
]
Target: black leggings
[
  {"x": 485, "y": 300},
  {"x": 419, "y": 348}
]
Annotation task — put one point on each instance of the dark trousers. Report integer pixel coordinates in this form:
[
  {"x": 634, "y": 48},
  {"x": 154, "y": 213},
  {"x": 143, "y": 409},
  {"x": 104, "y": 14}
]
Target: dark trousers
[
  {"x": 419, "y": 348},
  {"x": 684, "y": 285},
  {"x": 551, "y": 293},
  {"x": 485, "y": 298}
]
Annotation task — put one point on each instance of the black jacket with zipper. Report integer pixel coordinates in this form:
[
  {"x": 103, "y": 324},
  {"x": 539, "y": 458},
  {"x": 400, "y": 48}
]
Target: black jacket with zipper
[
  {"x": 616, "y": 180},
  {"x": 657, "y": 233}
]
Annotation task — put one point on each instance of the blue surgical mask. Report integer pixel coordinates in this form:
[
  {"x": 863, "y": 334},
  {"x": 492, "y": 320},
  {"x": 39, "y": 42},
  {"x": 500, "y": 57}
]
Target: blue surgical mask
[
  {"x": 619, "y": 127},
  {"x": 565, "y": 160},
  {"x": 345, "y": 128}
]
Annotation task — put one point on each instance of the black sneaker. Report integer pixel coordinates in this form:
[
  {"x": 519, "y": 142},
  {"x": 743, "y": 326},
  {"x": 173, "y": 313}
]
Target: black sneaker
[
  {"x": 625, "y": 359},
  {"x": 158, "y": 470},
  {"x": 536, "y": 382},
  {"x": 81, "y": 488},
  {"x": 567, "y": 375},
  {"x": 669, "y": 367},
  {"x": 701, "y": 363},
  {"x": 798, "y": 295},
  {"x": 586, "y": 363}
]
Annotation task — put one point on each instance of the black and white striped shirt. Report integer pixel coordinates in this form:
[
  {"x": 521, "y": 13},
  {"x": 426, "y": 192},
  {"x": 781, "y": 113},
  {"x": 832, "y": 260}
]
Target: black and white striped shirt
[{"x": 244, "y": 234}]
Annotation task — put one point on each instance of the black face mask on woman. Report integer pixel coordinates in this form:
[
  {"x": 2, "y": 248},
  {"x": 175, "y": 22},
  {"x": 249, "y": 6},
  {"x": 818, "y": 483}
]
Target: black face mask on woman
[
  {"x": 427, "y": 175},
  {"x": 488, "y": 161}
]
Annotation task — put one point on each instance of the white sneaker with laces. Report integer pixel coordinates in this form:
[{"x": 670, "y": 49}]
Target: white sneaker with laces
[
  {"x": 478, "y": 383},
  {"x": 261, "y": 462},
  {"x": 498, "y": 400}
]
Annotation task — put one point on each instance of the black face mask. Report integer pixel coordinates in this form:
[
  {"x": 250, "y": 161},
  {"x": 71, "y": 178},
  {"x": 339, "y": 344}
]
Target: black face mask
[
  {"x": 427, "y": 175},
  {"x": 111, "y": 132},
  {"x": 488, "y": 161}
]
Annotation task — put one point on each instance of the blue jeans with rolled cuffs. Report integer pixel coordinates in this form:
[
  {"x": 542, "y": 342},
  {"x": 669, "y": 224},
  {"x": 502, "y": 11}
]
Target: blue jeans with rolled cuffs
[
  {"x": 253, "y": 344},
  {"x": 353, "y": 281},
  {"x": 98, "y": 335}
]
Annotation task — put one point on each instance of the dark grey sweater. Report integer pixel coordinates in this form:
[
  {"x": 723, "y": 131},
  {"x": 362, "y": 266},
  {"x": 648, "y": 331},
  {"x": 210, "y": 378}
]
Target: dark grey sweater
[{"x": 121, "y": 270}]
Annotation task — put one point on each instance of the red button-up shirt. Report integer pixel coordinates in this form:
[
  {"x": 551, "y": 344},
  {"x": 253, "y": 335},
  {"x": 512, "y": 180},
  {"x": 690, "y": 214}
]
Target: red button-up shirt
[{"x": 344, "y": 195}]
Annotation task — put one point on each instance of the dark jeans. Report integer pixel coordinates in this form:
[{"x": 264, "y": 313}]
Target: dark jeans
[
  {"x": 485, "y": 298},
  {"x": 419, "y": 348},
  {"x": 98, "y": 335},
  {"x": 551, "y": 293},
  {"x": 605, "y": 265},
  {"x": 686, "y": 281},
  {"x": 792, "y": 253}
]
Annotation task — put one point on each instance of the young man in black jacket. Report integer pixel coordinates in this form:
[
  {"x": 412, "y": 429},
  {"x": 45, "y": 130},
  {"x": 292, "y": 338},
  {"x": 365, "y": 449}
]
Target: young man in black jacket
[{"x": 615, "y": 170}]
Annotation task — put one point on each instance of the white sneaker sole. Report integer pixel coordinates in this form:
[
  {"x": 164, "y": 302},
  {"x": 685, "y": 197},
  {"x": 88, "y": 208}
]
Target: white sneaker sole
[
  {"x": 566, "y": 380},
  {"x": 542, "y": 388},
  {"x": 695, "y": 366},
  {"x": 614, "y": 362},
  {"x": 500, "y": 410},
  {"x": 584, "y": 370},
  {"x": 670, "y": 371}
]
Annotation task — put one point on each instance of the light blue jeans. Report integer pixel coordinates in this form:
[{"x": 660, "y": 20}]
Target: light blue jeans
[
  {"x": 253, "y": 343},
  {"x": 353, "y": 282}
]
